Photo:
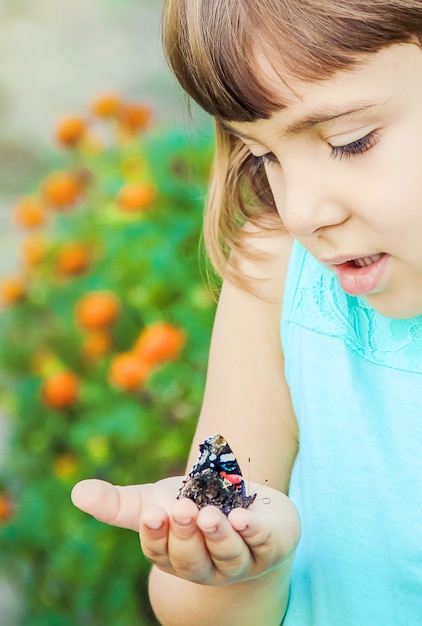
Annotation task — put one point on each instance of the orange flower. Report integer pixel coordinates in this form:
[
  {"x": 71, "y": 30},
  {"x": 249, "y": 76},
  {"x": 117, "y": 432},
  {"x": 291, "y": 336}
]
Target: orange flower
[
  {"x": 128, "y": 371},
  {"x": 106, "y": 105},
  {"x": 33, "y": 250},
  {"x": 61, "y": 390},
  {"x": 96, "y": 344},
  {"x": 13, "y": 288},
  {"x": 62, "y": 189},
  {"x": 135, "y": 197},
  {"x": 97, "y": 310},
  {"x": 160, "y": 342},
  {"x": 70, "y": 131},
  {"x": 134, "y": 117},
  {"x": 6, "y": 507},
  {"x": 30, "y": 212},
  {"x": 73, "y": 258}
]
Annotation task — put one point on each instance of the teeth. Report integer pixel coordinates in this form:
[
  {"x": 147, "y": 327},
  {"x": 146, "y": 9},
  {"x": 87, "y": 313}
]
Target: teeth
[{"x": 367, "y": 260}]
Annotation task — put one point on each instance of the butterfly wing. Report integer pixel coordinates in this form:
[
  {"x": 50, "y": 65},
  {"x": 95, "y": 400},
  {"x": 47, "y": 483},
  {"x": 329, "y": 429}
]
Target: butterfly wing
[{"x": 216, "y": 479}]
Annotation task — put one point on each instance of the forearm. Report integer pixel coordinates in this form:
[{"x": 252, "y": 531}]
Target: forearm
[{"x": 262, "y": 600}]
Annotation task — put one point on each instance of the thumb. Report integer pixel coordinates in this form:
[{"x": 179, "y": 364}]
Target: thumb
[{"x": 118, "y": 506}]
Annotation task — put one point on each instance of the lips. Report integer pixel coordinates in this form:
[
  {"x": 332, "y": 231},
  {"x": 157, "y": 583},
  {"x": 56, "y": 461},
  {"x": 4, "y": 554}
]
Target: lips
[{"x": 360, "y": 275}]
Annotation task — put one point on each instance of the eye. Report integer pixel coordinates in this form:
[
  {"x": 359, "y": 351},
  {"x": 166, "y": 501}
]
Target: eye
[{"x": 355, "y": 147}]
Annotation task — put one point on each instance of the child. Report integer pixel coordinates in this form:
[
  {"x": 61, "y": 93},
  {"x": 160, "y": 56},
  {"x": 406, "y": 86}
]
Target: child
[{"x": 317, "y": 196}]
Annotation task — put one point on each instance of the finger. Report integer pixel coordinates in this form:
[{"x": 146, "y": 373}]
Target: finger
[
  {"x": 119, "y": 506},
  {"x": 186, "y": 547},
  {"x": 270, "y": 539},
  {"x": 229, "y": 553},
  {"x": 153, "y": 533}
]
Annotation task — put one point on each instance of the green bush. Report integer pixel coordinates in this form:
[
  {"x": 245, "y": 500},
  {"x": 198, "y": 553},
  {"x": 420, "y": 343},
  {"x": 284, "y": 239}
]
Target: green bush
[{"x": 79, "y": 408}]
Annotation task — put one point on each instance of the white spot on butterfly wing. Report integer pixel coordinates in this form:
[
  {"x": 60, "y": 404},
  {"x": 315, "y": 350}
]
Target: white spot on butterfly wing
[{"x": 229, "y": 456}]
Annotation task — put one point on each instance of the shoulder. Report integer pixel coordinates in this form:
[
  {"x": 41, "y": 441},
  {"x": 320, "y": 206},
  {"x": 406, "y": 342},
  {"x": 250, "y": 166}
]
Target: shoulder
[{"x": 263, "y": 261}]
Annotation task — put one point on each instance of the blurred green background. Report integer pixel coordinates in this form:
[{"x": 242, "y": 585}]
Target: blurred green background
[{"x": 105, "y": 311}]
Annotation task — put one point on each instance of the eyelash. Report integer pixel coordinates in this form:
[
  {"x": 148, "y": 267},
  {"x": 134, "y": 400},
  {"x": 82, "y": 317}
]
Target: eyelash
[{"x": 354, "y": 148}]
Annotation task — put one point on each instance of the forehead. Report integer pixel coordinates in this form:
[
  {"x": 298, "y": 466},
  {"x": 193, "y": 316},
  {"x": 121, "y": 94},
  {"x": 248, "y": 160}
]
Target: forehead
[{"x": 373, "y": 80}]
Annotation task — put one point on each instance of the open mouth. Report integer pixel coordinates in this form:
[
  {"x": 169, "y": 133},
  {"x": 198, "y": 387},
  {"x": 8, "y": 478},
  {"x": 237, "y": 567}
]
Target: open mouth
[
  {"x": 365, "y": 261},
  {"x": 362, "y": 275}
]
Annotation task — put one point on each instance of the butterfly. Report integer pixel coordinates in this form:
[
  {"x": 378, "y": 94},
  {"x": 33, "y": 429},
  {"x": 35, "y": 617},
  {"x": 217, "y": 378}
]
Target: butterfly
[{"x": 216, "y": 478}]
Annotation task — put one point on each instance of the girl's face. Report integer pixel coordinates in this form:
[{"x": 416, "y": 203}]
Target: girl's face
[{"x": 344, "y": 162}]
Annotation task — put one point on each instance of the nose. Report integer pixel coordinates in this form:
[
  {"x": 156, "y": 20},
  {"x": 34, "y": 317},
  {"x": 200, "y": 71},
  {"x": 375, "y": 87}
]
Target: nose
[{"x": 309, "y": 200}]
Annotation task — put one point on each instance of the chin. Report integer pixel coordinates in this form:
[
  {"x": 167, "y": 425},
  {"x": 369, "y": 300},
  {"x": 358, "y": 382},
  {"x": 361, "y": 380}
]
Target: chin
[{"x": 395, "y": 307}]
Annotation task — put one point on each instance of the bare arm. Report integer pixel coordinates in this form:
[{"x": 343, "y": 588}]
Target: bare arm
[
  {"x": 246, "y": 397},
  {"x": 247, "y": 401},
  {"x": 210, "y": 569}
]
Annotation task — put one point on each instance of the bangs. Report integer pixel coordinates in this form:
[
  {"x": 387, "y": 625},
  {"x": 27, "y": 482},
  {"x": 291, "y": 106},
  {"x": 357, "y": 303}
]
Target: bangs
[{"x": 213, "y": 46}]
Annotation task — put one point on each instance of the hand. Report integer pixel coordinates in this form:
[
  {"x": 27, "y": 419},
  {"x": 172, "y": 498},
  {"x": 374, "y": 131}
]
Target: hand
[{"x": 202, "y": 546}]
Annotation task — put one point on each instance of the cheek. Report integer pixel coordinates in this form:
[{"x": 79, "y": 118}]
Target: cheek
[
  {"x": 395, "y": 199},
  {"x": 394, "y": 188}
]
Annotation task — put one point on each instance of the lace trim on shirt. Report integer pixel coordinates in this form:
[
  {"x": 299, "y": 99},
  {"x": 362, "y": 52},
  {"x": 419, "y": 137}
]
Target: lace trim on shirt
[{"x": 318, "y": 303}]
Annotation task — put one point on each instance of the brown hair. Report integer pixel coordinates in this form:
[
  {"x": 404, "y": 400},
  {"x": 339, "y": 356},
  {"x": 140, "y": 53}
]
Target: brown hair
[{"x": 211, "y": 46}]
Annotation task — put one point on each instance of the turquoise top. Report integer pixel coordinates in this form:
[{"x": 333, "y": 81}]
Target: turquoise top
[{"x": 356, "y": 384}]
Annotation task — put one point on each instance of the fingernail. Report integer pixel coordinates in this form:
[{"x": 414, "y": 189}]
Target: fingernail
[
  {"x": 240, "y": 527},
  {"x": 210, "y": 531},
  {"x": 183, "y": 521},
  {"x": 153, "y": 525}
]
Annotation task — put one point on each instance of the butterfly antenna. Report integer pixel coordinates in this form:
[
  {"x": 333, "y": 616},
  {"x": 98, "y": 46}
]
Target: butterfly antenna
[
  {"x": 266, "y": 500},
  {"x": 249, "y": 474},
  {"x": 259, "y": 487}
]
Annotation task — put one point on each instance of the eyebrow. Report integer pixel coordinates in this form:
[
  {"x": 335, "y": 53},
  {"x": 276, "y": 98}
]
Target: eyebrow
[{"x": 326, "y": 114}]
